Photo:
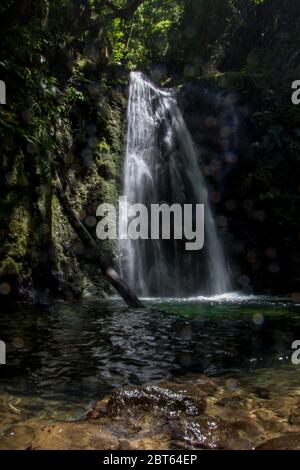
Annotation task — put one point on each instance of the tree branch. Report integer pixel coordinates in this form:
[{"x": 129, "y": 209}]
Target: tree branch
[{"x": 127, "y": 11}]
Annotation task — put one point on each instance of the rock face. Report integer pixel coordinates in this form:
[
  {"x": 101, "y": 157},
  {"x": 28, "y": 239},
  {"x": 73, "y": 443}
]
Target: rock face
[{"x": 34, "y": 232}]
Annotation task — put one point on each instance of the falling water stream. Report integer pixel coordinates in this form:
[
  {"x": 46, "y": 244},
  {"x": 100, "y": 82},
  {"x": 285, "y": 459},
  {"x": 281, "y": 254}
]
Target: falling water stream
[{"x": 161, "y": 166}]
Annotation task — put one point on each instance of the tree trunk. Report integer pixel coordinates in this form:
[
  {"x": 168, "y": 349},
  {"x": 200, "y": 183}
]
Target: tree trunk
[{"x": 108, "y": 271}]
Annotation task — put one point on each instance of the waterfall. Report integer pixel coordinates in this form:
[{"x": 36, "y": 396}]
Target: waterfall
[{"x": 161, "y": 165}]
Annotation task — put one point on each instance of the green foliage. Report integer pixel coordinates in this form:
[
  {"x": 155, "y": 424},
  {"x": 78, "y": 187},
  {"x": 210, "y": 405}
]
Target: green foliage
[
  {"x": 144, "y": 39},
  {"x": 117, "y": 38}
]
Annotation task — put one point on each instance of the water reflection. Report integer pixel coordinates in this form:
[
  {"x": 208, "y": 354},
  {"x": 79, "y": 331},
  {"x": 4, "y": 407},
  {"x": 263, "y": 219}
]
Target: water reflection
[{"x": 78, "y": 353}]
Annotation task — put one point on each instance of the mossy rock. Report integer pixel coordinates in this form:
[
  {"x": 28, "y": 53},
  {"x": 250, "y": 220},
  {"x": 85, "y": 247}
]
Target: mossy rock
[{"x": 9, "y": 268}]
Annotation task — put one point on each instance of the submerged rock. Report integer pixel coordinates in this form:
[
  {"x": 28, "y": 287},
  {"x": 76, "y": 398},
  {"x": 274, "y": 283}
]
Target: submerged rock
[
  {"x": 18, "y": 436},
  {"x": 75, "y": 436},
  {"x": 196, "y": 412},
  {"x": 289, "y": 441},
  {"x": 130, "y": 418}
]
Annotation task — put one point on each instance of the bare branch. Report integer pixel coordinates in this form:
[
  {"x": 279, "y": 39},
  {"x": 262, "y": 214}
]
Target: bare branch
[{"x": 127, "y": 11}]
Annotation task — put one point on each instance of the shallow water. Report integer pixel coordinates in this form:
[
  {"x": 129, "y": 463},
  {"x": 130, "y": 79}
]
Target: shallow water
[{"x": 61, "y": 357}]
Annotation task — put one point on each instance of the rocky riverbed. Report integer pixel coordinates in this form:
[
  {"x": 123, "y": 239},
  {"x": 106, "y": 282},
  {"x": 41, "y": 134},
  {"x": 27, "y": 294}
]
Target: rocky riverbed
[{"x": 197, "y": 413}]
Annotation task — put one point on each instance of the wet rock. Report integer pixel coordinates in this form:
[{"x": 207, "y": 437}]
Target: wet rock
[
  {"x": 262, "y": 393},
  {"x": 289, "y": 441},
  {"x": 201, "y": 433},
  {"x": 130, "y": 418},
  {"x": 168, "y": 402},
  {"x": 205, "y": 432}
]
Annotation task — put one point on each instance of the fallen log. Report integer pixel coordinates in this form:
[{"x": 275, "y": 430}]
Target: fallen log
[{"x": 108, "y": 271}]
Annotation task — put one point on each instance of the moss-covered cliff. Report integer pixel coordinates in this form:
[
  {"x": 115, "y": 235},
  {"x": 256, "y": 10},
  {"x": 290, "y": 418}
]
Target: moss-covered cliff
[{"x": 40, "y": 255}]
